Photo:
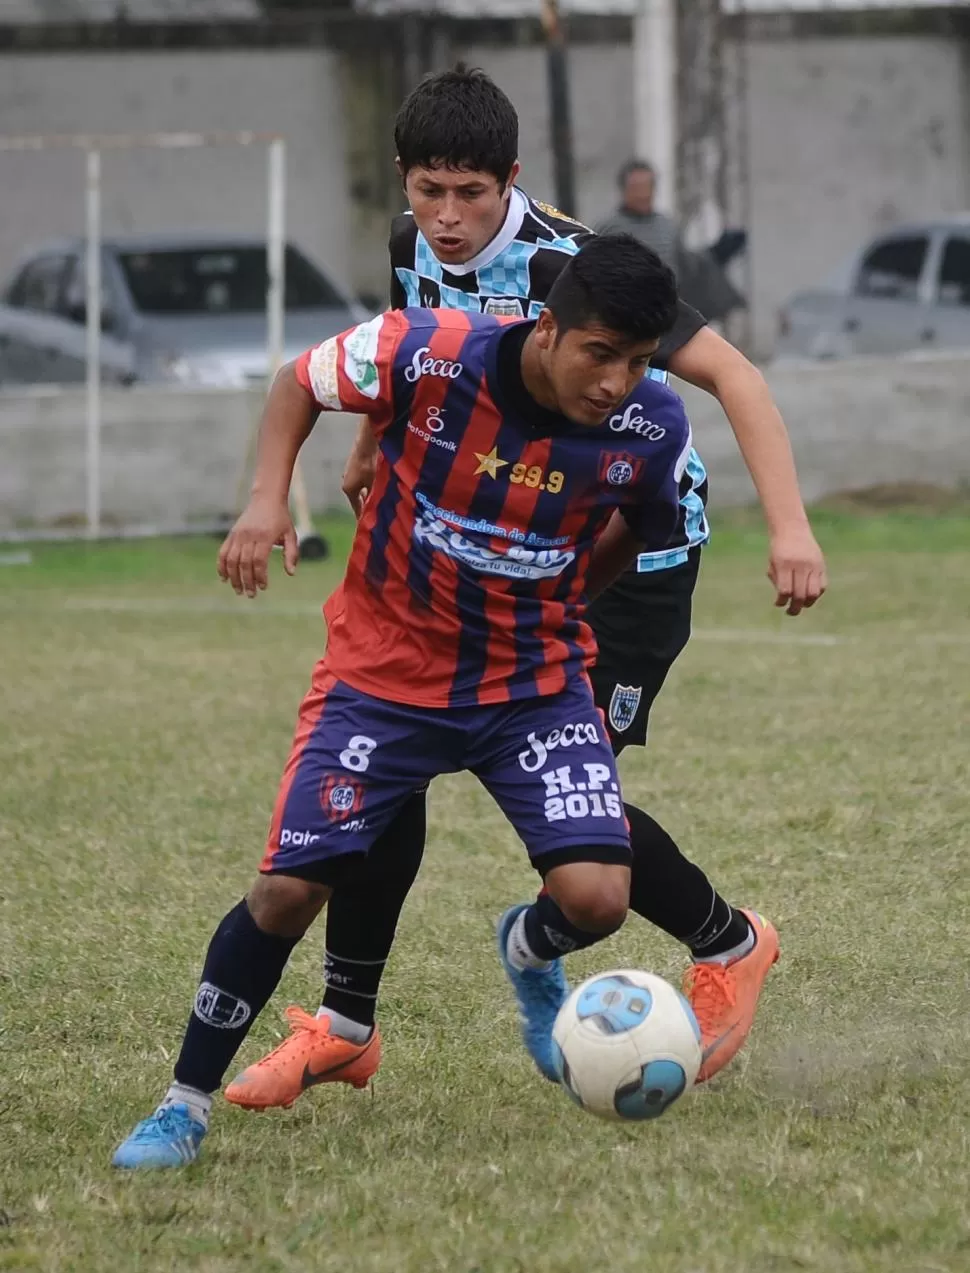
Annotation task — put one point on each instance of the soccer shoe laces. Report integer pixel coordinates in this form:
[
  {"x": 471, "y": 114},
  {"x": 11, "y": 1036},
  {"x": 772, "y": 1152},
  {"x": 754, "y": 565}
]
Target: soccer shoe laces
[
  {"x": 710, "y": 988},
  {"x": 301, "y": 1023},
  {"x": 167, "y": 1121}
]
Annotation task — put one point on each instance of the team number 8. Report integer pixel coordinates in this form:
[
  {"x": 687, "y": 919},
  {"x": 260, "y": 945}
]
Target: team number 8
[
  {"x": 531, "y": 475},
  {"x": 356, "y": 755}
]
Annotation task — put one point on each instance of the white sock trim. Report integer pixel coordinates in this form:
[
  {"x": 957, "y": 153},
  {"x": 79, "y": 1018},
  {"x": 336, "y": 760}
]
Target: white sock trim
[
  {"x": 518, "y": 951},
  {"x": 729, "y": 956},
  {"x": 345, "y": 1027},
  {"x": 199, "y": 1103}
]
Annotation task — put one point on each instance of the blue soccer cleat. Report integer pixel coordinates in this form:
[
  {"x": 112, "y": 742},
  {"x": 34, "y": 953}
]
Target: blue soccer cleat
[
  {"x": 170, "y": 1137},
  {"x": 540, "y": 993}
]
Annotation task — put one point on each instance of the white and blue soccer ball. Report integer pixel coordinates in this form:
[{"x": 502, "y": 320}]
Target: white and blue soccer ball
[{"x": 626, "y": 1045}]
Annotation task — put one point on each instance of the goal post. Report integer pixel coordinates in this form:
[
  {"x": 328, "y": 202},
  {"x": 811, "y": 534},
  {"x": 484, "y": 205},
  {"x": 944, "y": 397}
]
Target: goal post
[{"x": 94, "y": 145}]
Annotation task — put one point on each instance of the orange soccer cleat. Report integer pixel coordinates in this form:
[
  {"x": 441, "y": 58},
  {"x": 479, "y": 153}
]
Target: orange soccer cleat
[
  {"x": 724, "y": 996},
  {"x": 309, "y": 1056}
]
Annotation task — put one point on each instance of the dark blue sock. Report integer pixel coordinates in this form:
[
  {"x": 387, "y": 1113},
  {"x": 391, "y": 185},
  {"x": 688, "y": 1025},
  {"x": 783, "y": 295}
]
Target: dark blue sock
[
  {"x": 674, "y": 893},
  {"x": 243, "y": 966},
  {"x": 550, "y": 934}
]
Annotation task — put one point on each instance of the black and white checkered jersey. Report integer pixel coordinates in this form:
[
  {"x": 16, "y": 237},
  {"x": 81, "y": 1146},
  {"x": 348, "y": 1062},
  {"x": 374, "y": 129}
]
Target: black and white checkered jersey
[{"x": 512, "y": 276}]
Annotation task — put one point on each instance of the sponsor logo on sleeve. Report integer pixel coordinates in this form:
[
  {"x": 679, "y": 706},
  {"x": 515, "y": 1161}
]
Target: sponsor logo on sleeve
[
  {"x": 360, "y": 357},
  {"x": 323, "y": 375}
]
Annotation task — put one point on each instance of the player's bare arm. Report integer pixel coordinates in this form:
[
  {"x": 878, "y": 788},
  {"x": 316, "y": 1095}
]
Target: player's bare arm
[
  {"x": 288, "y": 419},
  {"x": 358, "y": 475},
  {"x": 796, "y": 566},
  {"x": 613, "y": 552}
]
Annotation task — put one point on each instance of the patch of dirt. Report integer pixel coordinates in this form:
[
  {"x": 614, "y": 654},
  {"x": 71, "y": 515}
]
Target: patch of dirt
[{"x": 920, "y": 496}]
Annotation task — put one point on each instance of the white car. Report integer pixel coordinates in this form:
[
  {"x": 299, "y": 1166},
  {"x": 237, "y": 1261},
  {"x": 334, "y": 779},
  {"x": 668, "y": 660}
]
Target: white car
[{"x": 907, "y": 290}]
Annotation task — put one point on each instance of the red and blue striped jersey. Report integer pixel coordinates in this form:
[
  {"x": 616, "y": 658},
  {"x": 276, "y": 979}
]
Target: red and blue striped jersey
[{"x": 465, "y": 583}]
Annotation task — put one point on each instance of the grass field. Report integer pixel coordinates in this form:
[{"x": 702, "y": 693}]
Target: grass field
[{"x": 817, "y": 767}]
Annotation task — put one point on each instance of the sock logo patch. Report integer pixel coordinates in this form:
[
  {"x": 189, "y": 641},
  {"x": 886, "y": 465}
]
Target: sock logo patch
[
  {"x": 560, "y": 941},
  {"x": 220, "y": 1009}
]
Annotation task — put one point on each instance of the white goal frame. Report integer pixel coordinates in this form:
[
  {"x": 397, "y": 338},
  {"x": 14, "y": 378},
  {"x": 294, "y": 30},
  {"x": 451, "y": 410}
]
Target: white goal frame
[{"x": 96, "y": 143}]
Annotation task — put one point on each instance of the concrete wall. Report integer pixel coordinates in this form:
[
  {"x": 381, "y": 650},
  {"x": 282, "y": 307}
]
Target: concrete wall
[
  {"x": 170, "y": 459},
  {"x": 602, "y": 103},
  {"x": 296, "y": 93},
  {"x": 174, "y": 459},
  {"x": 853, "y": 424}
]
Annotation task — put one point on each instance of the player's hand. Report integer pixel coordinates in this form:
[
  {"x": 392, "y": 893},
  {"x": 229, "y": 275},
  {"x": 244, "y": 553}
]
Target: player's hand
[
  {"x": 244, "y": 557},
  {"x": 358, "y": 476},
  {"x": 796, "y": 567}
]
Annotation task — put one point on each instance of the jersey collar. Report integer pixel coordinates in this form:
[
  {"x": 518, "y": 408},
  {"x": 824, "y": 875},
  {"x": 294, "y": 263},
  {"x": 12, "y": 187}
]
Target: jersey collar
[{"x": 518, "y": 205}]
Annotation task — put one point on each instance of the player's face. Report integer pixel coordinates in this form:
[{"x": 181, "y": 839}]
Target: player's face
[
  {"x": 590, "y": 370},
  {"x": 459, "y": 211}
]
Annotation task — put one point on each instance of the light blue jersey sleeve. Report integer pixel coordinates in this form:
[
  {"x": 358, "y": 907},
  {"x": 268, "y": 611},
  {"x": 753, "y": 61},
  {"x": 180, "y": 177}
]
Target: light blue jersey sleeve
[{"x": 692, "y": 528}]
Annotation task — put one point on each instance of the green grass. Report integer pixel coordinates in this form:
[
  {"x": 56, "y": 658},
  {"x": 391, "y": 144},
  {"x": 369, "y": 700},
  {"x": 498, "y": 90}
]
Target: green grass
[{"x": 818, "y": 768}]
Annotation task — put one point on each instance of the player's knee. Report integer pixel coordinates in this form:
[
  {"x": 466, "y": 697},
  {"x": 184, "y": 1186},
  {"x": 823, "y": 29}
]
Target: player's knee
[
  {"x": 603, "y": 913},
  {"x": 595, "y": 898},
  {"x": 286, "y": 905}
]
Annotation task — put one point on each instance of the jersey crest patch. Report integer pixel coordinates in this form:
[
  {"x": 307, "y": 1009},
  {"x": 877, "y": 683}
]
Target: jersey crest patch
[
  {"x": 503, "y": 307},
  {"x": 551, "y": 211},
  {"x": 624, "y": 702},
  {"x": 618, "y": 468}
]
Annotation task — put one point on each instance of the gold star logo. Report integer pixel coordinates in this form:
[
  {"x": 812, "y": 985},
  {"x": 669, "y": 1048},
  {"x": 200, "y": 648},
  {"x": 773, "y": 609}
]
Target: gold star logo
[{"x": 489, "y": 463}]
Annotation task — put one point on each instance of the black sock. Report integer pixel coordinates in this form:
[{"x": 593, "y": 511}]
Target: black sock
[
  {"x": 675, "y": 894},
  {"x": 550, "y": 934},
  {"x": 243, "y": 966},
  {"x": 363, "y": 913}
]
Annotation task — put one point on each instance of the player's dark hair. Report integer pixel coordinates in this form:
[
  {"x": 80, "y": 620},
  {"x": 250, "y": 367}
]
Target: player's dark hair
[
  {"x": 631, "y": 166},
  {"x": 458, "y": 119},
  {"x": 617, "y": 281}
]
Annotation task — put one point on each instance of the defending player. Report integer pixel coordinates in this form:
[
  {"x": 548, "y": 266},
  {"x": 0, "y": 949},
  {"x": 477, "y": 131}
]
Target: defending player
[
  {"x": 478, "y": 244},
  {"x": 457, "y": 638}
]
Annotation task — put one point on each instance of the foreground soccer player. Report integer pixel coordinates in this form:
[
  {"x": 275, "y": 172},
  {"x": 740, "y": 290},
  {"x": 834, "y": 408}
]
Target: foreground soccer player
[
  {"x": 456, "y": 640},
  {"x": 477, "y": 243}
]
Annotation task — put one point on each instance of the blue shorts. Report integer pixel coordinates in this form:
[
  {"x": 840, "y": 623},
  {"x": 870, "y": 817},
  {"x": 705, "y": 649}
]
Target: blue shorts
[{"x": 356, "y": 759}]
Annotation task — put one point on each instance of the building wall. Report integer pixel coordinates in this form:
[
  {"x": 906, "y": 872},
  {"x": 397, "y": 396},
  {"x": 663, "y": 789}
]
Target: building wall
[
  {"x": 296, "y": 93},
  {"x": 602, "y": 109},
  {"x": 171, "y": 460}
]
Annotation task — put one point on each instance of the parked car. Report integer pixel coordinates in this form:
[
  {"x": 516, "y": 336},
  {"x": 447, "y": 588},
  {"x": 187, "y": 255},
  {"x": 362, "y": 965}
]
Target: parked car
[
  {"x": 903, "y": 291},
  {"x": 183, "y": 309}
]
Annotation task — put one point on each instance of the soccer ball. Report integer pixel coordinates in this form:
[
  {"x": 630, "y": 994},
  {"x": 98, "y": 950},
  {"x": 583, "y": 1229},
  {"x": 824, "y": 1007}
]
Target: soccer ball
[{"x": 626, "y": 1045}]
